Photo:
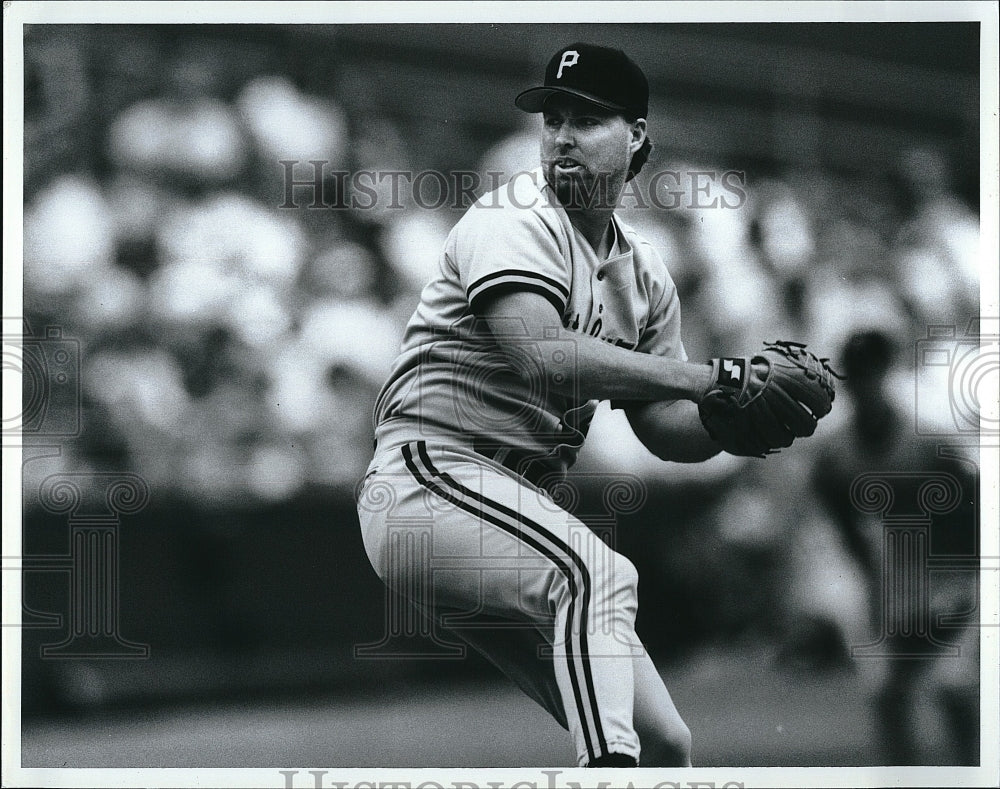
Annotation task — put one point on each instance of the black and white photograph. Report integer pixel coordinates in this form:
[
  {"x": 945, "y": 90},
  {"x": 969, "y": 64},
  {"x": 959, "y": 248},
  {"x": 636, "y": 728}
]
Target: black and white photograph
[{"x": 501, "y": 395}]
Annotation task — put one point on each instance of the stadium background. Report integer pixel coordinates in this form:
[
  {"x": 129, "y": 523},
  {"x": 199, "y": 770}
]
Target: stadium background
[{"x": 231, "y": 349}]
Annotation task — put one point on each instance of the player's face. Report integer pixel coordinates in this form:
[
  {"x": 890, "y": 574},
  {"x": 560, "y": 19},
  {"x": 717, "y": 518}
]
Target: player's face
[{"x": 586, "y": 151}]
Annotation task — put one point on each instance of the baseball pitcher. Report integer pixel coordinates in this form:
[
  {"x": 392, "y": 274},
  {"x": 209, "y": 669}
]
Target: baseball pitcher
[{"x": 545, "y": 303}]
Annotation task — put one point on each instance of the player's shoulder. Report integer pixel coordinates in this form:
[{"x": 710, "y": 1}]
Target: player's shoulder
[
  {"x": 646, "y": 256},
  {"x": 521, "y": 201},
  {"x": 523, "y": 191}
]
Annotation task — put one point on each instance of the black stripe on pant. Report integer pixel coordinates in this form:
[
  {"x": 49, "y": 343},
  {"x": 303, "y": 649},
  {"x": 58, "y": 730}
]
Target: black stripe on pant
[{"x": 575, "y": 572}]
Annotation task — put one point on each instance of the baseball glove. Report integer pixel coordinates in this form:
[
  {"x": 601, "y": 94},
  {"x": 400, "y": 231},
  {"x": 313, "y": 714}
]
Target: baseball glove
[{"x": 757, "y": 405}]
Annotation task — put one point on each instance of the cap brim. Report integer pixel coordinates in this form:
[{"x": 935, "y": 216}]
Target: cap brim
[{"x": 533, "y": 99}]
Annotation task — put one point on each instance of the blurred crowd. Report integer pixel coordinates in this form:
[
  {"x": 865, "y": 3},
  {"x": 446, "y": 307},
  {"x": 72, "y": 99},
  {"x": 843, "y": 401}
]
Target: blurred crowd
[{"x": 231, "y": 348}]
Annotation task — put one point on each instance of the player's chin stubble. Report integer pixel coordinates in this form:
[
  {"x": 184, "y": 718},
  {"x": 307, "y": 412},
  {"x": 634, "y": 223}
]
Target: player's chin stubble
[{"x": 582, "y": 191}]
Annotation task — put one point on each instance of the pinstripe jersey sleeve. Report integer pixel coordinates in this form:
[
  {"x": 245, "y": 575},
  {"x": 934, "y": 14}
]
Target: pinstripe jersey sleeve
[
  {"x": 500, "y": 251},
  {"x": 662, "y": 335}
]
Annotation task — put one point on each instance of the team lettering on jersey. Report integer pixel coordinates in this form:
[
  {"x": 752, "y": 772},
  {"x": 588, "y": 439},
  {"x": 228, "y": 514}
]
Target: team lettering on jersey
[{"x": 595, "y": 331}]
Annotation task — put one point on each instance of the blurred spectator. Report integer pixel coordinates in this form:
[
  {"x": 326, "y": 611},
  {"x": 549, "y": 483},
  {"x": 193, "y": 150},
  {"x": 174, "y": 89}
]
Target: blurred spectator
[
  {"x": 142, "y": 393},
  {"x": 137, "y": 206},
  {"x": 938, "y": 242},
  {"x": 518, "y": 152},
  {"x": 412, "y": 244},
  {"x": 185, "y": 133},
  {"x": 323, "y": 381},
  {"x": 287, "y": 124},
  {"x": 344, "y": 269},
  {"x": 214, "y": 272},
  {"x": 851, "y": 288},
  {"x": 786, "y": 237},
  {"x": 113, "y": 300},
  {"x": 68, "y": 239},
  {"x": 737, "y": 298},
  {"x": 358, "y": 335},
  {"x": 877, "y": 436},
  {"x": 381, "y": 153},
  {"x": 216, "y": 230},
  {"x": 60, "y": 121},
  {"x": 938, "y": 216}
]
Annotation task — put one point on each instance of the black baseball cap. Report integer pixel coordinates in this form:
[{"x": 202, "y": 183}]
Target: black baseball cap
[{"x": 602, "y": 75}]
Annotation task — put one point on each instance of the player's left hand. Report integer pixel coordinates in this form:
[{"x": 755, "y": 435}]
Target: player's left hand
[{"x": 756, "y": 406}]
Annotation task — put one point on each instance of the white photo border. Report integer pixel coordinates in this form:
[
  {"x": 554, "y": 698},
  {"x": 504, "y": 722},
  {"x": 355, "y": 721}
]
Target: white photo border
[{"x": 17, "y": 14}]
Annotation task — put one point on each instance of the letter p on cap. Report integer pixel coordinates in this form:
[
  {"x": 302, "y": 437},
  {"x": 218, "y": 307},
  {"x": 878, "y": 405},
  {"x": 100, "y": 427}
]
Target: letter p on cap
[{"x": 569, "y": 58}]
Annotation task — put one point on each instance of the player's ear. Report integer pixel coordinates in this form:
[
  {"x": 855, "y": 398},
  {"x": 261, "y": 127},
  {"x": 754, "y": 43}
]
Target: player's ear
[{"x": 638, "y": 132}]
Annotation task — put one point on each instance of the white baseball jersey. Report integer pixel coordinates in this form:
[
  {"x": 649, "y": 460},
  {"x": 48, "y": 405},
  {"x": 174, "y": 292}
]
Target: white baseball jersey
[
  {"x": 451, "y": 383},
  {"x": 445, "y": 519}
]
